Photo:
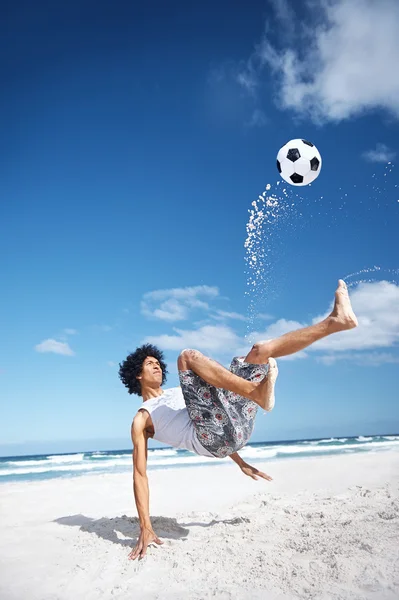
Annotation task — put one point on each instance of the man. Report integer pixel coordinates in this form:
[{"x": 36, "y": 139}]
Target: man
[{"x": 212, "y": 413}]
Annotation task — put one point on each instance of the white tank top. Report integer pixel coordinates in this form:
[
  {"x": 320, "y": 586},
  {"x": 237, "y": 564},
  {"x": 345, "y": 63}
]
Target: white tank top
[{"x": 172, "y": 423}]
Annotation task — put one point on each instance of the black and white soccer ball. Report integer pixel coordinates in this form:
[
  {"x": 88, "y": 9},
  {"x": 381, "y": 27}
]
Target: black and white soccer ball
[{"x": 299, "y": 162}]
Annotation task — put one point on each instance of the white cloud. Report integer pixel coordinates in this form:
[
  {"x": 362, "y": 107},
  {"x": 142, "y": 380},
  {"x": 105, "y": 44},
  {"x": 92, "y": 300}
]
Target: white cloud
[
  {"x": 376, "y": 306},
  {"x": 111, "y": 363},
  {"x": 183, "y": 293},
  {"x": 343, "y": 63},
  {"x": 175, "y": 304},
  {"x": 70, "y": 331},
  {"x": 170, "y": 310},
  {"x": 381, "y": 154},
  {"x": 296, "y": 356},
  {"x": 284, "y": 12},
  {"x": 244, "y": 350},
  {"x": 223, "y": 314},
  {"x": 264, "y": 316},
  {"x": 247, "y": 79},
  {"x": 275, "y": 330},
  {"x": 55, "y": 347},
  {"x": 362, "y": 359},
  {"x": 210, "y": 338},
  {"x": 231, "y": 95}
]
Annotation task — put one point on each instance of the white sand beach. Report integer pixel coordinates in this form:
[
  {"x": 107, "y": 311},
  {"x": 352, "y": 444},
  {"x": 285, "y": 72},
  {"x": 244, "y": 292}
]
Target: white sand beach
[{"x": 324, "y": 528}]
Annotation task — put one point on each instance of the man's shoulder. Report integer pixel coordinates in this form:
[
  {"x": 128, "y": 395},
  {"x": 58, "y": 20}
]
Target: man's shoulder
[{"x": 140, "y": 420}]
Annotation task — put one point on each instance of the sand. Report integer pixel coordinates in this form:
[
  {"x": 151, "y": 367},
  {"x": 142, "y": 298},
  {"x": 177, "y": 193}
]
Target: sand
[{"x": 325, "y": 528}]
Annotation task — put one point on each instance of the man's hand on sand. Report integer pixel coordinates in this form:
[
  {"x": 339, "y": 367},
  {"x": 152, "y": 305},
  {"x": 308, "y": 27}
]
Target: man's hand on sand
[
  {"x": 254, "y": 473},
  {"x": 147, "y": 536}
]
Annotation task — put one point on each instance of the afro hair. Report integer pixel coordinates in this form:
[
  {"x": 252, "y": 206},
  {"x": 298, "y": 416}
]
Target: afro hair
[{"x": 133, "y": 365}]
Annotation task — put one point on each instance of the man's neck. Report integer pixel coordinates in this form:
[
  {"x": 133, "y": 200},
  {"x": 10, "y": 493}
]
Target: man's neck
[{"x": 148, "y": 393}]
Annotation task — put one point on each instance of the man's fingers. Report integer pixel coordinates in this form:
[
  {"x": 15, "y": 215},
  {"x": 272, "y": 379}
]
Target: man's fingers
[
  {"x": 140, "y": 550},
  {"x": 134, "y": 553},
  {"x": 143, "y": 552},
  {"x": 265, "y": 476}
]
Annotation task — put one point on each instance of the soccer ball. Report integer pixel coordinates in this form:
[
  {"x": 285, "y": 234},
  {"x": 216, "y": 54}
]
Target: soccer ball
[{"x": 299, "y": 162}]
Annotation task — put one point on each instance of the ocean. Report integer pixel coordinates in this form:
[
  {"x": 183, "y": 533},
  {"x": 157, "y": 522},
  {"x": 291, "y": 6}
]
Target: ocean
[{"x": 42, "y": 467}]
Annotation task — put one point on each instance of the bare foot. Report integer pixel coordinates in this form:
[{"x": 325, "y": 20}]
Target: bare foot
[
  {"x": 264, "y": 391},
  {"x": 342, "y": 316}
]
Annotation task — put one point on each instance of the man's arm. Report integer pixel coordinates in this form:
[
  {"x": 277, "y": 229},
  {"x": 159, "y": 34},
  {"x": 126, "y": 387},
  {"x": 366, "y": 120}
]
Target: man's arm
[
  {"x": 237, "y": 459},
  {"x": 140, "y": 479},
  {"x": 247, "y": 469},
  {"x": 140, "y": 486}
]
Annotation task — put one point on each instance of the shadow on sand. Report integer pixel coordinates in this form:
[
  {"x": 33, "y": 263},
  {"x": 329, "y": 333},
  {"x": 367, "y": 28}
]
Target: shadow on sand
[{"x": 126, "y": 530}]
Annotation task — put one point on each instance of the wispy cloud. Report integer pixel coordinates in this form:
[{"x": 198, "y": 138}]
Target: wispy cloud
[
  {"x": 258, "y": 119},
  {"x": 376, "y": 305},
  {"x": 284, "y": 13},
  {"x": 381, "y": 154},
  {"x": 280, "y": 327},
  {"x": 186, "y": 293},
  {"x": 55, "y": 347},
  {"x": 362, "y": 359},
  {"x": 221, "y": 340},
  {"x": 176, "y": 304},
  {"x": 297, "y": 356},
  {"x": 264, "y": 316},
  {"x": 247, "y": 79},
  {"x": 232, "y": 94},
  {"x": 273, "y": 331},
  {"x": 210, "y": 338},
  {"x": 223, "y": 314},
  {"x": 170, "y": 310},
  {"x": 66, "y": 333},
  {"x": 345, "y": 63}
]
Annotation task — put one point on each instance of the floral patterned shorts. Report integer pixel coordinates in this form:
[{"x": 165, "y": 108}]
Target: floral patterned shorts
[{"x": 223, "y": 421}]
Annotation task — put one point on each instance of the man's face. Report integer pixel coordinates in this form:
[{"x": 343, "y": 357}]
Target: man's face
[{"x": 151, "y": 373}]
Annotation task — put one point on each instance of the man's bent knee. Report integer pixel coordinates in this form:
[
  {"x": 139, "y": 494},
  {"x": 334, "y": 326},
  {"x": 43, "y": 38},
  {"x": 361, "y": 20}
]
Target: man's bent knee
[
  {"x": 186, "y": 359},
  {"x": 259, "y": 353}
]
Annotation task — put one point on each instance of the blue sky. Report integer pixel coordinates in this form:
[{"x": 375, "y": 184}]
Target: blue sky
[{"x": 134, "y": 138}]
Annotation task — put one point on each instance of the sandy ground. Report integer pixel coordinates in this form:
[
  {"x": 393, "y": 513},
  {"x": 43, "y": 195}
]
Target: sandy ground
[{"x": 323, "y": 528}]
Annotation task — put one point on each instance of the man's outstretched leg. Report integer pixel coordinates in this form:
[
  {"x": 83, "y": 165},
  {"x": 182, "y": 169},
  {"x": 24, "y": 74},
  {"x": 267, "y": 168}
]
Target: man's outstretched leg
[{"x": 341, "y": 318}]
